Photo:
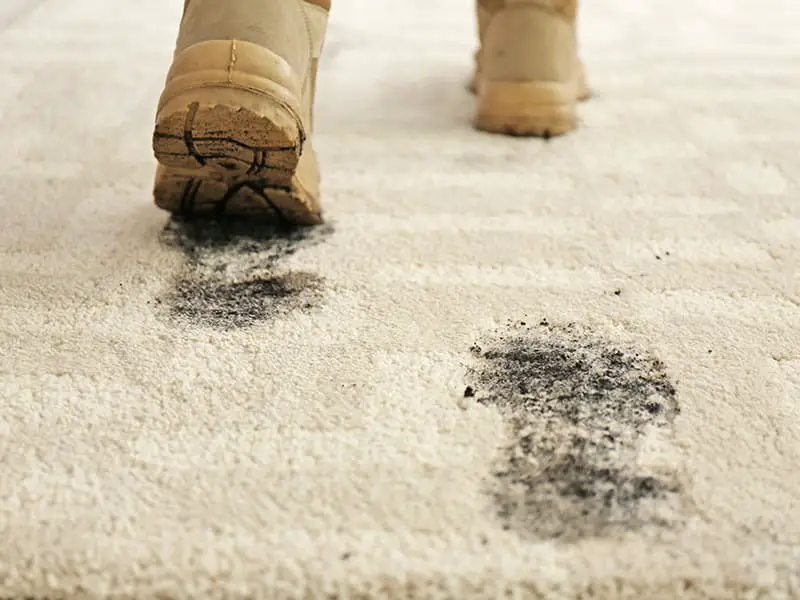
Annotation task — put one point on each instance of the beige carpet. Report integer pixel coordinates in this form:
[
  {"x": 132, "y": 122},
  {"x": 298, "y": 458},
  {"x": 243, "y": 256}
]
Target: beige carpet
[{"x": 359, "y": 412}]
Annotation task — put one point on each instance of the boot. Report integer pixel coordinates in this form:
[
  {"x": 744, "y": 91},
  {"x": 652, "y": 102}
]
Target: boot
[
  {"x": 233, "y": 126},
  {"x": 528, "y": 75}
]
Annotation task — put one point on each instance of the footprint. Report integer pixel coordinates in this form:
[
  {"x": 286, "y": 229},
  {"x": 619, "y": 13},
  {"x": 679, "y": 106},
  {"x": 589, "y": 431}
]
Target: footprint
[
  {"x": 234, "y": 277},
  {"x": 584, "y": 416}
]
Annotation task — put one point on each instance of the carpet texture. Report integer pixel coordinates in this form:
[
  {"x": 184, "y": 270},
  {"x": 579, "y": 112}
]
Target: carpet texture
[{"x": 504, "y": 368}]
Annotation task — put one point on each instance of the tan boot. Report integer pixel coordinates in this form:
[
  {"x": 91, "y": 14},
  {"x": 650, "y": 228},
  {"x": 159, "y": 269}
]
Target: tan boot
[
  {"x": 233, "y": 127},
  {"x": 528, "y": 75}
]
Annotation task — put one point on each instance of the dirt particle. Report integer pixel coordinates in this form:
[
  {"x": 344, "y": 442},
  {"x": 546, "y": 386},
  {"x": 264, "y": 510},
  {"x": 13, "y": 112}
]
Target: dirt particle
[
  {"x": 469, "y": 392},
  {"x": 653, "y": 408}
]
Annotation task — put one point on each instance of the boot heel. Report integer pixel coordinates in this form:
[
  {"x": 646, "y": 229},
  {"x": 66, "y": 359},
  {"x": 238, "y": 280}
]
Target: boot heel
[
  {"x": 526, "y": 108},
  {"x": 229, "y": 121}
]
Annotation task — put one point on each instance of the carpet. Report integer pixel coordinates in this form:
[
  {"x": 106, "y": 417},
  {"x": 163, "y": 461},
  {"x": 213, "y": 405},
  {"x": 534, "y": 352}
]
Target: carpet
[{"x": 503, "y": 369}]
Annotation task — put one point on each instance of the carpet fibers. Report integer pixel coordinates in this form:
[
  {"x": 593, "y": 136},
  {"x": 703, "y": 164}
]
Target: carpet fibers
[{"x": 504, "y": 368}]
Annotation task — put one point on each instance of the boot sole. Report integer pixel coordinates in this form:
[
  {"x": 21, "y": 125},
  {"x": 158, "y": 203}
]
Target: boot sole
[
  {"x": 538, "y": 109},
  {"x": 229, "y": 138},
  {"x": 190, "y": 193}
]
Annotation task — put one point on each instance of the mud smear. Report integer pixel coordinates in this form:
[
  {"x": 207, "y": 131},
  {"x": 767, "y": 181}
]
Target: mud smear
[
  {"x": 579, "y": 410},
  {"x": 234, "y": 275}
]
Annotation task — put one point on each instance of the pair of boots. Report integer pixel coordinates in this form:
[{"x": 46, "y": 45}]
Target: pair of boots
[{"x": 233, "y": 128}]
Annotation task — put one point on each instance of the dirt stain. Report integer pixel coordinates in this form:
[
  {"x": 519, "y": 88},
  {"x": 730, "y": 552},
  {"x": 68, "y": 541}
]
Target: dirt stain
[
  {"x": 579, "y": 410},
  {"x": 234, "y": 276}
]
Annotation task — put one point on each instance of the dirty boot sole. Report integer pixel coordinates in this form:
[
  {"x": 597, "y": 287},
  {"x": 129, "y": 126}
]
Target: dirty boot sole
[
  {"x": 229, "y": 135},
  {"x": 187, "y": 192}
]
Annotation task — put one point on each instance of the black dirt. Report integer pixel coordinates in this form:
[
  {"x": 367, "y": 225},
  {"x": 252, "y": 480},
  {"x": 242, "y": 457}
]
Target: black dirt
[
  {"x": 578, "y": 407},
  {"x": 234, "y": 277},
  {"x": 469, "y": 392}
]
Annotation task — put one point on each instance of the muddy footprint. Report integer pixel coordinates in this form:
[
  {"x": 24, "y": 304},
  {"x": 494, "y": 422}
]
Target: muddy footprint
[
  {"x": 582, "y": 412},
  {"x": 234, "y": 275}
]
